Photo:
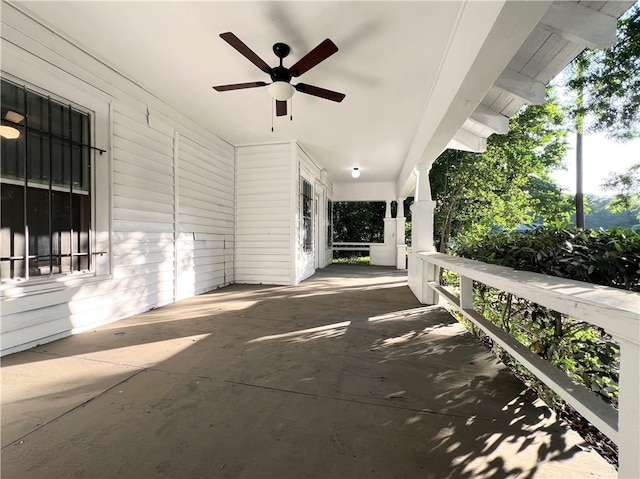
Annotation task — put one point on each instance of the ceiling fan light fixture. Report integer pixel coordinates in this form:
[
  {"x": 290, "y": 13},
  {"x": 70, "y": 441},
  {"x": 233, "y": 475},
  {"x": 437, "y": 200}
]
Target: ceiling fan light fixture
[
  {"x": 9, "y": 132},
  {"x": 355, "y": 173},
  {"x": 281, "y": 90},
  {"x": 14, "y": 117}
]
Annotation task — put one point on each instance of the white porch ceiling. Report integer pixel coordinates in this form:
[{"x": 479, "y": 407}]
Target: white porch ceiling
[{"x": 412, "y": 72}]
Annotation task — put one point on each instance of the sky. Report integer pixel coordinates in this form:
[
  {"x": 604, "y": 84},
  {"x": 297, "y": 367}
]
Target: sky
[{"x": 600, "y": 157}]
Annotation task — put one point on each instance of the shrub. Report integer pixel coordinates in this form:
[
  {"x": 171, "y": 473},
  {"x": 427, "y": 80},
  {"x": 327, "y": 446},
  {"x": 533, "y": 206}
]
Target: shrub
[{"x": 606, "y": 257}]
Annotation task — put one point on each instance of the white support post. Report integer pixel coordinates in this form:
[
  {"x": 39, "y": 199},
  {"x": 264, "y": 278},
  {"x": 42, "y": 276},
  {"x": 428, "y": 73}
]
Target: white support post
[
  {"x": 401, "y": 246},
  {"x": 426, "y": 292},
  {"x": 430, "y": 274},
  {"x": 629, "y": 411},
  {"x": 387, "y": 210},
  {"x": 422, "y": 237},
  {"x": 466, "y": 293},
  {"x": 422, "y": 212},
  {"x": 385, "y": 254}
]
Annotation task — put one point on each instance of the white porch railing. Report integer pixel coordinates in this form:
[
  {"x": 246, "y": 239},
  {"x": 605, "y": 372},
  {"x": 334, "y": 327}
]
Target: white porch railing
[
  {"x": 616, "y": 311},
  {"x": 380, "y": 254},
  {"x": 352, "y": 246}
]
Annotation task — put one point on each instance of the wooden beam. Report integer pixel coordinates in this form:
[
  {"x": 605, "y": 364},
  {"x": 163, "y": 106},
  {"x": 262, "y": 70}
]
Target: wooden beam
[
  {"x": 581, "y": 25},
  {"x": 466, "y": 141},
  {"x": 491, "y": 119},
  {"x": 527, "y": 89}
]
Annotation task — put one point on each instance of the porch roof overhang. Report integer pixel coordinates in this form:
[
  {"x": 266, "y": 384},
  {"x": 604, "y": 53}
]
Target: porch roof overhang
[{"x": 419, "y": 77}]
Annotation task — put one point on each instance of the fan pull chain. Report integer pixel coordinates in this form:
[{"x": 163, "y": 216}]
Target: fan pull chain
[
  {"x": 291, "y": 114},
  {"x": 272, "y": 102}
]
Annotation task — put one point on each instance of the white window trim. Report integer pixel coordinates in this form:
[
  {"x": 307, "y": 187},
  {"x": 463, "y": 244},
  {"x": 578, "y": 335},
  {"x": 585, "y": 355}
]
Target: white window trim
[
  {"x": 301, "y": 245},
  {"x": 41, "y": 78}
]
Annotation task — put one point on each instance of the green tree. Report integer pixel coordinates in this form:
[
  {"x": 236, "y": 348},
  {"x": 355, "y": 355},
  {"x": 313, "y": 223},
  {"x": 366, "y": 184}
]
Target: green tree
[
  {"x": 610, "y": 82},
  {"x": 358, "y": 221},
  {"x": 627, "y": 188},
  {"x": 600, "y": 214},
  {"x": 606, "y": 88},
  {"x": 507, "y": 185}
]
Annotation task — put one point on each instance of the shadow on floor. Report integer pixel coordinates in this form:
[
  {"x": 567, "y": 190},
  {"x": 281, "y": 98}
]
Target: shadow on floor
[{"x": 343, "y": 376}]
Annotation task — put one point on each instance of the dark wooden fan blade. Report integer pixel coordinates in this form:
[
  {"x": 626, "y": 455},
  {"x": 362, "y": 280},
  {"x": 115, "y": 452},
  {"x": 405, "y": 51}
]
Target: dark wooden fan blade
[
  {"x": 281, "y": 108},
  {"x": 315, "y": 56},
  {"x": 239, "y": 86},
  {"x": 320, "y": 92},
  {"x": 249, "y": 54}
]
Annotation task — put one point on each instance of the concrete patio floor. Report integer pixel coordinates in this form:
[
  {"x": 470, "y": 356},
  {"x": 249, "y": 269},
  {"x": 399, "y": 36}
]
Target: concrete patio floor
[{"x": 343, "y": 376}]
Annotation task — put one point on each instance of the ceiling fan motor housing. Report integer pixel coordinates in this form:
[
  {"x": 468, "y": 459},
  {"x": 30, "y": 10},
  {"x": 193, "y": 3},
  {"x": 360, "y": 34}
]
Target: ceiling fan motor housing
[
  {"x": 280, "y": 74},
  {"x": 281, "y": 50}
]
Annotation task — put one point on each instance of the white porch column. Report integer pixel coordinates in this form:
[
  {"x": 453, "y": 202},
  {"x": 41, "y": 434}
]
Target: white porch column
[
  {"x": 384, "y": 254},
  {"x": 401, "y": 246},
  {"x": 422, "y": 212},
  {"x": 387, "y": 211},
  {"x": 422, "y": 237}
]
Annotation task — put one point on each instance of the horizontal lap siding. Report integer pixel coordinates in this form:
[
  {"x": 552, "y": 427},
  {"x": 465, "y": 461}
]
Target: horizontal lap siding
[
  {"x": 263, "y": 214},
  {"x": 143, "y": 197},
  {"x": 146, "y": 254},
  {"x": 206, "y": 217}
]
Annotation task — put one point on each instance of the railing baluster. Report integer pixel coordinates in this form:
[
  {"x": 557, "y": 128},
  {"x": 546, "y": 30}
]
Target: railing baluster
[
  {"x": 430, "y": 273},
  {"x": 629, "y": 411},
  {"x": 466, "y": 293}
]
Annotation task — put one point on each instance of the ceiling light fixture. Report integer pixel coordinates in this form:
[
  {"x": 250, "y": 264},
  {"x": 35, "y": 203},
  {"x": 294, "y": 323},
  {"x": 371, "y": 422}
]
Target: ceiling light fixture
[
  {"x": 281, "y": 90},
  {"x": 355, "y": 173},
  {"x": 9, "y": 132},
  {"x": 13, "y": 117}
]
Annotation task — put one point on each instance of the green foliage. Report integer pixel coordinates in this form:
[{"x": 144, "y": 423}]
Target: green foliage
[
  {"x": 506, "y": 186},
  {"x": 602, "y": 215},
  {"x": 363, "y": 222},
  {"x": 627, "y": 187},
  {"x": 607, "y": 257},
  {"x": 609, "y": 84},
  {"x": 356, "y": 221},
  {"x": 351, "y": 257}
]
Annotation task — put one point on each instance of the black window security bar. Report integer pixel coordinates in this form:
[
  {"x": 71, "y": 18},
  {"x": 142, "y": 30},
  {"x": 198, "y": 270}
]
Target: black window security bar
[
  {"x": 26, "y": 114},
  {"x": 46, "y": 186},
  {"x": 307, "y": 222},
  {"x": 52, "y": 135}
]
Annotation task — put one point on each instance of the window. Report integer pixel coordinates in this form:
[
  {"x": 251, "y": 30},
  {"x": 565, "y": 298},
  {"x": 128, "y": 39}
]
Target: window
[
  {"x": 45, "y": 182},
  {"x": 306, "y": 207},
  {"x": 329, "y": 224}
]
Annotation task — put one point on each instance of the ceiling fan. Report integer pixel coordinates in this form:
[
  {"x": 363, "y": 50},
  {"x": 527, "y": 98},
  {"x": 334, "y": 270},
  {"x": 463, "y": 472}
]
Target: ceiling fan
[{"x": 280, "y": 87}]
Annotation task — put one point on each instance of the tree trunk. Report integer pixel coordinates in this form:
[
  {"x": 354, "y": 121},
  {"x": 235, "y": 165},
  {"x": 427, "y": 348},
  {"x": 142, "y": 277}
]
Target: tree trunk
[
  {"x": 579, "y": 193},
  {"x": 579, "y": 131}
]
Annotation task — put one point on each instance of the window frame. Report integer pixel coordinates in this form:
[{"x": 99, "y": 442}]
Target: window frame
[
  {"x": 306, "y": 220},
  {"x": 68, "y": 90},
  {"x": 329, "y": 229},
  {"x": 61, "y": 171}
]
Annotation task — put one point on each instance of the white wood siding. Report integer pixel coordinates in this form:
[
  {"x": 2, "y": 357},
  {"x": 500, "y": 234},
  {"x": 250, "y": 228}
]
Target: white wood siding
[
  {"x": 206, "y": 217},
  {"x": 167, "y": 201},
  {"x": 264, "y": 242},
  {"x": 142, "y": 211}
]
